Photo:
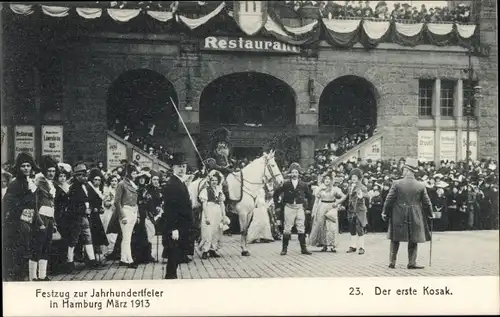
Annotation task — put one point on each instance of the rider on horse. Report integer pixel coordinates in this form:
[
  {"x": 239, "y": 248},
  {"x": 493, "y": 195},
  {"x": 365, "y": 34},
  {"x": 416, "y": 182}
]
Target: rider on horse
[{"x": 220, "y": 159}]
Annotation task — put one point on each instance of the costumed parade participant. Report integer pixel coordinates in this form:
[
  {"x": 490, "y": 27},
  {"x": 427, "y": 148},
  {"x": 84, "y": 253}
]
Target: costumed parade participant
[
  {"x": 356, "y": 212},
  {"x": 296, "y": 195},
  {"x": 407, "y": 208},
  {"x": 42, "y": 237},
  {"x": 177, "y": 218},
  {"x": 20, "y": 218}
]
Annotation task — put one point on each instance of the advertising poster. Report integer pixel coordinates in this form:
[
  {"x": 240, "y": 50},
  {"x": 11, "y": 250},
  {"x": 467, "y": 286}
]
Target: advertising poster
[
  {"x": 426, "y": 146},
  {"x": 52, "y": 141},
  {"x": 373, "y": 151},
  {"x": 117, "y": 151},
  {"x": 5, "y": 148},
  {"x": 448, "y": 146},
  {"x": 473, "y": 145},
  {"x": 142, "y": 160},
  {"x": 24, "y": 139}
]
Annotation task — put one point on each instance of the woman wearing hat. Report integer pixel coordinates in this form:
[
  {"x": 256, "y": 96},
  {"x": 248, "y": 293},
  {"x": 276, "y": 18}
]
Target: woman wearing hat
[
  {"x": 375, "y": 209},
  {"x": 325, "y": 215},
  {"x": 20, "y": 218},
  {"x": 141, "y": 245},
  {"x": 213, "y": 213},
  {"x": 61, "y": 203},
  {"x": 96, "y": 197},
  {"x": 154, "y": 206}
]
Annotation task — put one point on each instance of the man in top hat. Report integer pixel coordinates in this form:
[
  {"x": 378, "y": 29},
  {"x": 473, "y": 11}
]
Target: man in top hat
[
  {"x": 296, "y": 195},
  {"x": 177, "y": 217},
  {"x": 407, "y": 206}
]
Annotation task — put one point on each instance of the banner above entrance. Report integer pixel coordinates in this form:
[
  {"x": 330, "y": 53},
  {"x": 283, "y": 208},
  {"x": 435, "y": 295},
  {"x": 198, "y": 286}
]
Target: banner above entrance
[{"x": 221, "y": 43}]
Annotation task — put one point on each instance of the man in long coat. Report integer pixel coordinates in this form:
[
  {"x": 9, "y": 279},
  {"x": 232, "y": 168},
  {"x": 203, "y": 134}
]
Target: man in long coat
[
  {"x": 407, "y": 208},
  {"x": 177, "y": 217},
  {"x": 356, "y": 212}
]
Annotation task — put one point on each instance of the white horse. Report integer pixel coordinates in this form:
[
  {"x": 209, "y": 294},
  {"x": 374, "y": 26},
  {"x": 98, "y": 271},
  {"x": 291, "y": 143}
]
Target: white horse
[{"x": 243, "y": 188}]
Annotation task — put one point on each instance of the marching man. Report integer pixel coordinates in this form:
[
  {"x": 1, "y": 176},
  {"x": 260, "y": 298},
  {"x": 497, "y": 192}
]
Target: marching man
[
  {"x": 296, "y": 194},
  {"x": 356, "y": 215},
  {"x": 407, "y": 206}
]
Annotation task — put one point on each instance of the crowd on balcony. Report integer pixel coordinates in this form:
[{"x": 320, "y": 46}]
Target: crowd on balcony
[
  {"x": 400, "y": 11},
  {"x": 141, "y": 136}
]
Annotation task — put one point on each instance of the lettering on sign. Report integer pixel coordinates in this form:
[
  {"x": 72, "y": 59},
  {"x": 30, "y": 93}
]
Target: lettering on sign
[
  {"x": 218, "y": 43},
  {"x": 142, "y": 160},
  {"x": 448, "y": 146},
  {"x": 117, "y": 151},
  {"x": 426, "y": 146},
  {"x": 52, "y": 141},
  {"x": 24, "y": 139},
  {"x": 373, "y": 151},
  {"x": 472, "y": 145}
]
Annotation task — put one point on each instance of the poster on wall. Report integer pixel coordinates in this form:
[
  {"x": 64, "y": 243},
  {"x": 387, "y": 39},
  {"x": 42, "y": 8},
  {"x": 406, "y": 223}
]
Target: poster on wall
[
  {"x": 24, "y": 139},
  {"x": 426, "y": 146},
  {"x": 373, "y": 151},
  {"x": 5, "y": 148},
  {"x": 117, "y": 151},
  {"x": 52, "y": 141},
  {"x": 473, "y": 145},
  {"x": 448, "y": 146},
  {"x": 142, "y": 160}
]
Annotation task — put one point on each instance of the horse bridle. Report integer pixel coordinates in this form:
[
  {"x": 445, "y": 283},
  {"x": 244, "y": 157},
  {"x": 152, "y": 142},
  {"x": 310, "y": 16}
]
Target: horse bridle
[{"x": 272, "y": 177}]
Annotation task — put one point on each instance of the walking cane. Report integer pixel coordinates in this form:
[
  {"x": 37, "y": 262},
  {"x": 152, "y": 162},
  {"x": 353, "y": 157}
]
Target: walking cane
[{"x": 430, "y": 249}]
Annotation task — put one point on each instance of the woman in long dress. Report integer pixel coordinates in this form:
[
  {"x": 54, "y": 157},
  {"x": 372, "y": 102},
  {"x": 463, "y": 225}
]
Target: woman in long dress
[
  {"x": 325, "y": 215},
  {"x": 260, "y": 227},
  {"x": 99, "y": 238},
  {"x": 109, "y": 208},
  {"x": 213, "y": 215}
]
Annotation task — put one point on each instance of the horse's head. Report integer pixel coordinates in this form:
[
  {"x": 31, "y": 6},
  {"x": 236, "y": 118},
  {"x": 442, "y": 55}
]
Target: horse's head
[{"x": 272, "y": 171}]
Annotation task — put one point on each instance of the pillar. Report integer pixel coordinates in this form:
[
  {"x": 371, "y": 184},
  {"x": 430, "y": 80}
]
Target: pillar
[
  {"x": 459, "y": 119},
  {"x": 436, "y": 112},
  {"x": 306, "y": 151}
]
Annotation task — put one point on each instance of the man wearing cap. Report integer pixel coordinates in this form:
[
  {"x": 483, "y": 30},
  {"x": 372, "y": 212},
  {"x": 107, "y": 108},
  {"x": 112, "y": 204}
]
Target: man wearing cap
[
  {"x": 79, "y": 214},
  {"x": 296, "y": 195},
  {"x": 407, "y": 208},
  {"x": 177, "y": 218},
  {"x": 356, "y": 212}
]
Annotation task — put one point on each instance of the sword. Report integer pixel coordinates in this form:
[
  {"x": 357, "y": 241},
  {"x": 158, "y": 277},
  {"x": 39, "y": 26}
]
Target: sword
[{"x": 187, "y": 131}]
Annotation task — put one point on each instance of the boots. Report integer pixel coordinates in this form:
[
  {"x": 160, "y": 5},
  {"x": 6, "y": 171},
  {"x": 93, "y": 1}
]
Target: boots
[
  {"x": 303, "y": 247},
  {"x": 286, "y": 239}
]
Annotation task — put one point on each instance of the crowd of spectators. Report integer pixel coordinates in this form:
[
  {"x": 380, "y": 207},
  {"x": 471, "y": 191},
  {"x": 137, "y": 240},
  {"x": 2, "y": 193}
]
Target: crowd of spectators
[{"x": 400, "y": 11}]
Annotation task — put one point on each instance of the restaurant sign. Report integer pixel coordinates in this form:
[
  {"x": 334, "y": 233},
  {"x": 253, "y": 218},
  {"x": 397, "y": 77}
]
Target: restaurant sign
[{"x": 221, "y": 43}]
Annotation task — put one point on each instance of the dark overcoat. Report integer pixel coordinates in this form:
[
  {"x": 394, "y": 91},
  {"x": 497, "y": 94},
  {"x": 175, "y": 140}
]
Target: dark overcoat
[
  {"x": 177, "y": 214},
  {"x": 407, "y": 207}
]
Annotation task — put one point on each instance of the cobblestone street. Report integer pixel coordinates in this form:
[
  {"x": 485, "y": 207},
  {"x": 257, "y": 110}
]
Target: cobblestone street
[{"x": 473, "y": 253}]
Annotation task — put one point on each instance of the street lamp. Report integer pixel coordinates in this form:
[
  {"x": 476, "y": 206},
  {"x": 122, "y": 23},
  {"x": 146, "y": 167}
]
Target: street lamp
[{"x": 474, "y": 94}]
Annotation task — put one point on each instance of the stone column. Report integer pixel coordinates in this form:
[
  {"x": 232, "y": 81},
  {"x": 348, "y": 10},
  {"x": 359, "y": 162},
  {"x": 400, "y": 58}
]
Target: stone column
[
  {"x": 436, "y": 112},
  {"x": 306, "y": 151},
  {"x": 459, "y": 115}
]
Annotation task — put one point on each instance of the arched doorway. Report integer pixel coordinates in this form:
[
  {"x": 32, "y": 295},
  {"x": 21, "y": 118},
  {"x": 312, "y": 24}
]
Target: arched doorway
[
  {"x": 347, "y": 104},
  {"x": 139, "y": 101},
  {"x": 257, "y": 108}
]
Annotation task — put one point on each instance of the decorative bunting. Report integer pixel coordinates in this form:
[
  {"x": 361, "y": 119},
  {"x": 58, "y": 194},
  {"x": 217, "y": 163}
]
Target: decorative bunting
[
  {"x": 89, "y": 13},
  {"x": 57, "y": 12},
  {"x": 260, "y": 18},
  {"x": 123, "y": 15},
  {"x": 194, "y": 23}
]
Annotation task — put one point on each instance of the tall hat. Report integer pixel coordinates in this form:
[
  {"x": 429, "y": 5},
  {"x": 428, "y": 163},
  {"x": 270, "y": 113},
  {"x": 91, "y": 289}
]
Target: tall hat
[
  {"x": 22, "y": 158},
  {"x": 177, "y": 158},
  {"x": 411, "y": 164},
  {"x": 80, "y": 168},
  {"x": 357, "y": 172},
  {"x": 95, "y": 172},
  {"x": 47, "y": 162},
  {"x": 219, "y": 135},
  {"x": 295, "y": 166}
]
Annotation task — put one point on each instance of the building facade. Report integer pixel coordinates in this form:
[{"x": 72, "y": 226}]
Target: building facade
[{"x": 416, "y": 94}]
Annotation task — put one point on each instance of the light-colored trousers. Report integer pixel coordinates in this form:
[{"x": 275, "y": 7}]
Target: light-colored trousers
[
  {"x": 127, "y": 229},
  {"x": 294, "y": 215}
]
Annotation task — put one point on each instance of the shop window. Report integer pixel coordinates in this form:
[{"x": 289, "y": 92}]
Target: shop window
[
  {"x": 467, "y": 93},
  {"x": 425, "y": 88},
  {"x": 447, "y": 98}
]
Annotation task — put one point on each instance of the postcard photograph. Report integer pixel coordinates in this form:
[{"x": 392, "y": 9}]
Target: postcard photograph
[{"x": 220, "y": 140}]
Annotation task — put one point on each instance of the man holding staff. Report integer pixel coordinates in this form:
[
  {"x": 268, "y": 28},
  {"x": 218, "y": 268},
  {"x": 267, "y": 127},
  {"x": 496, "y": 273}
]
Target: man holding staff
[{"x": 407, "y": 206}]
